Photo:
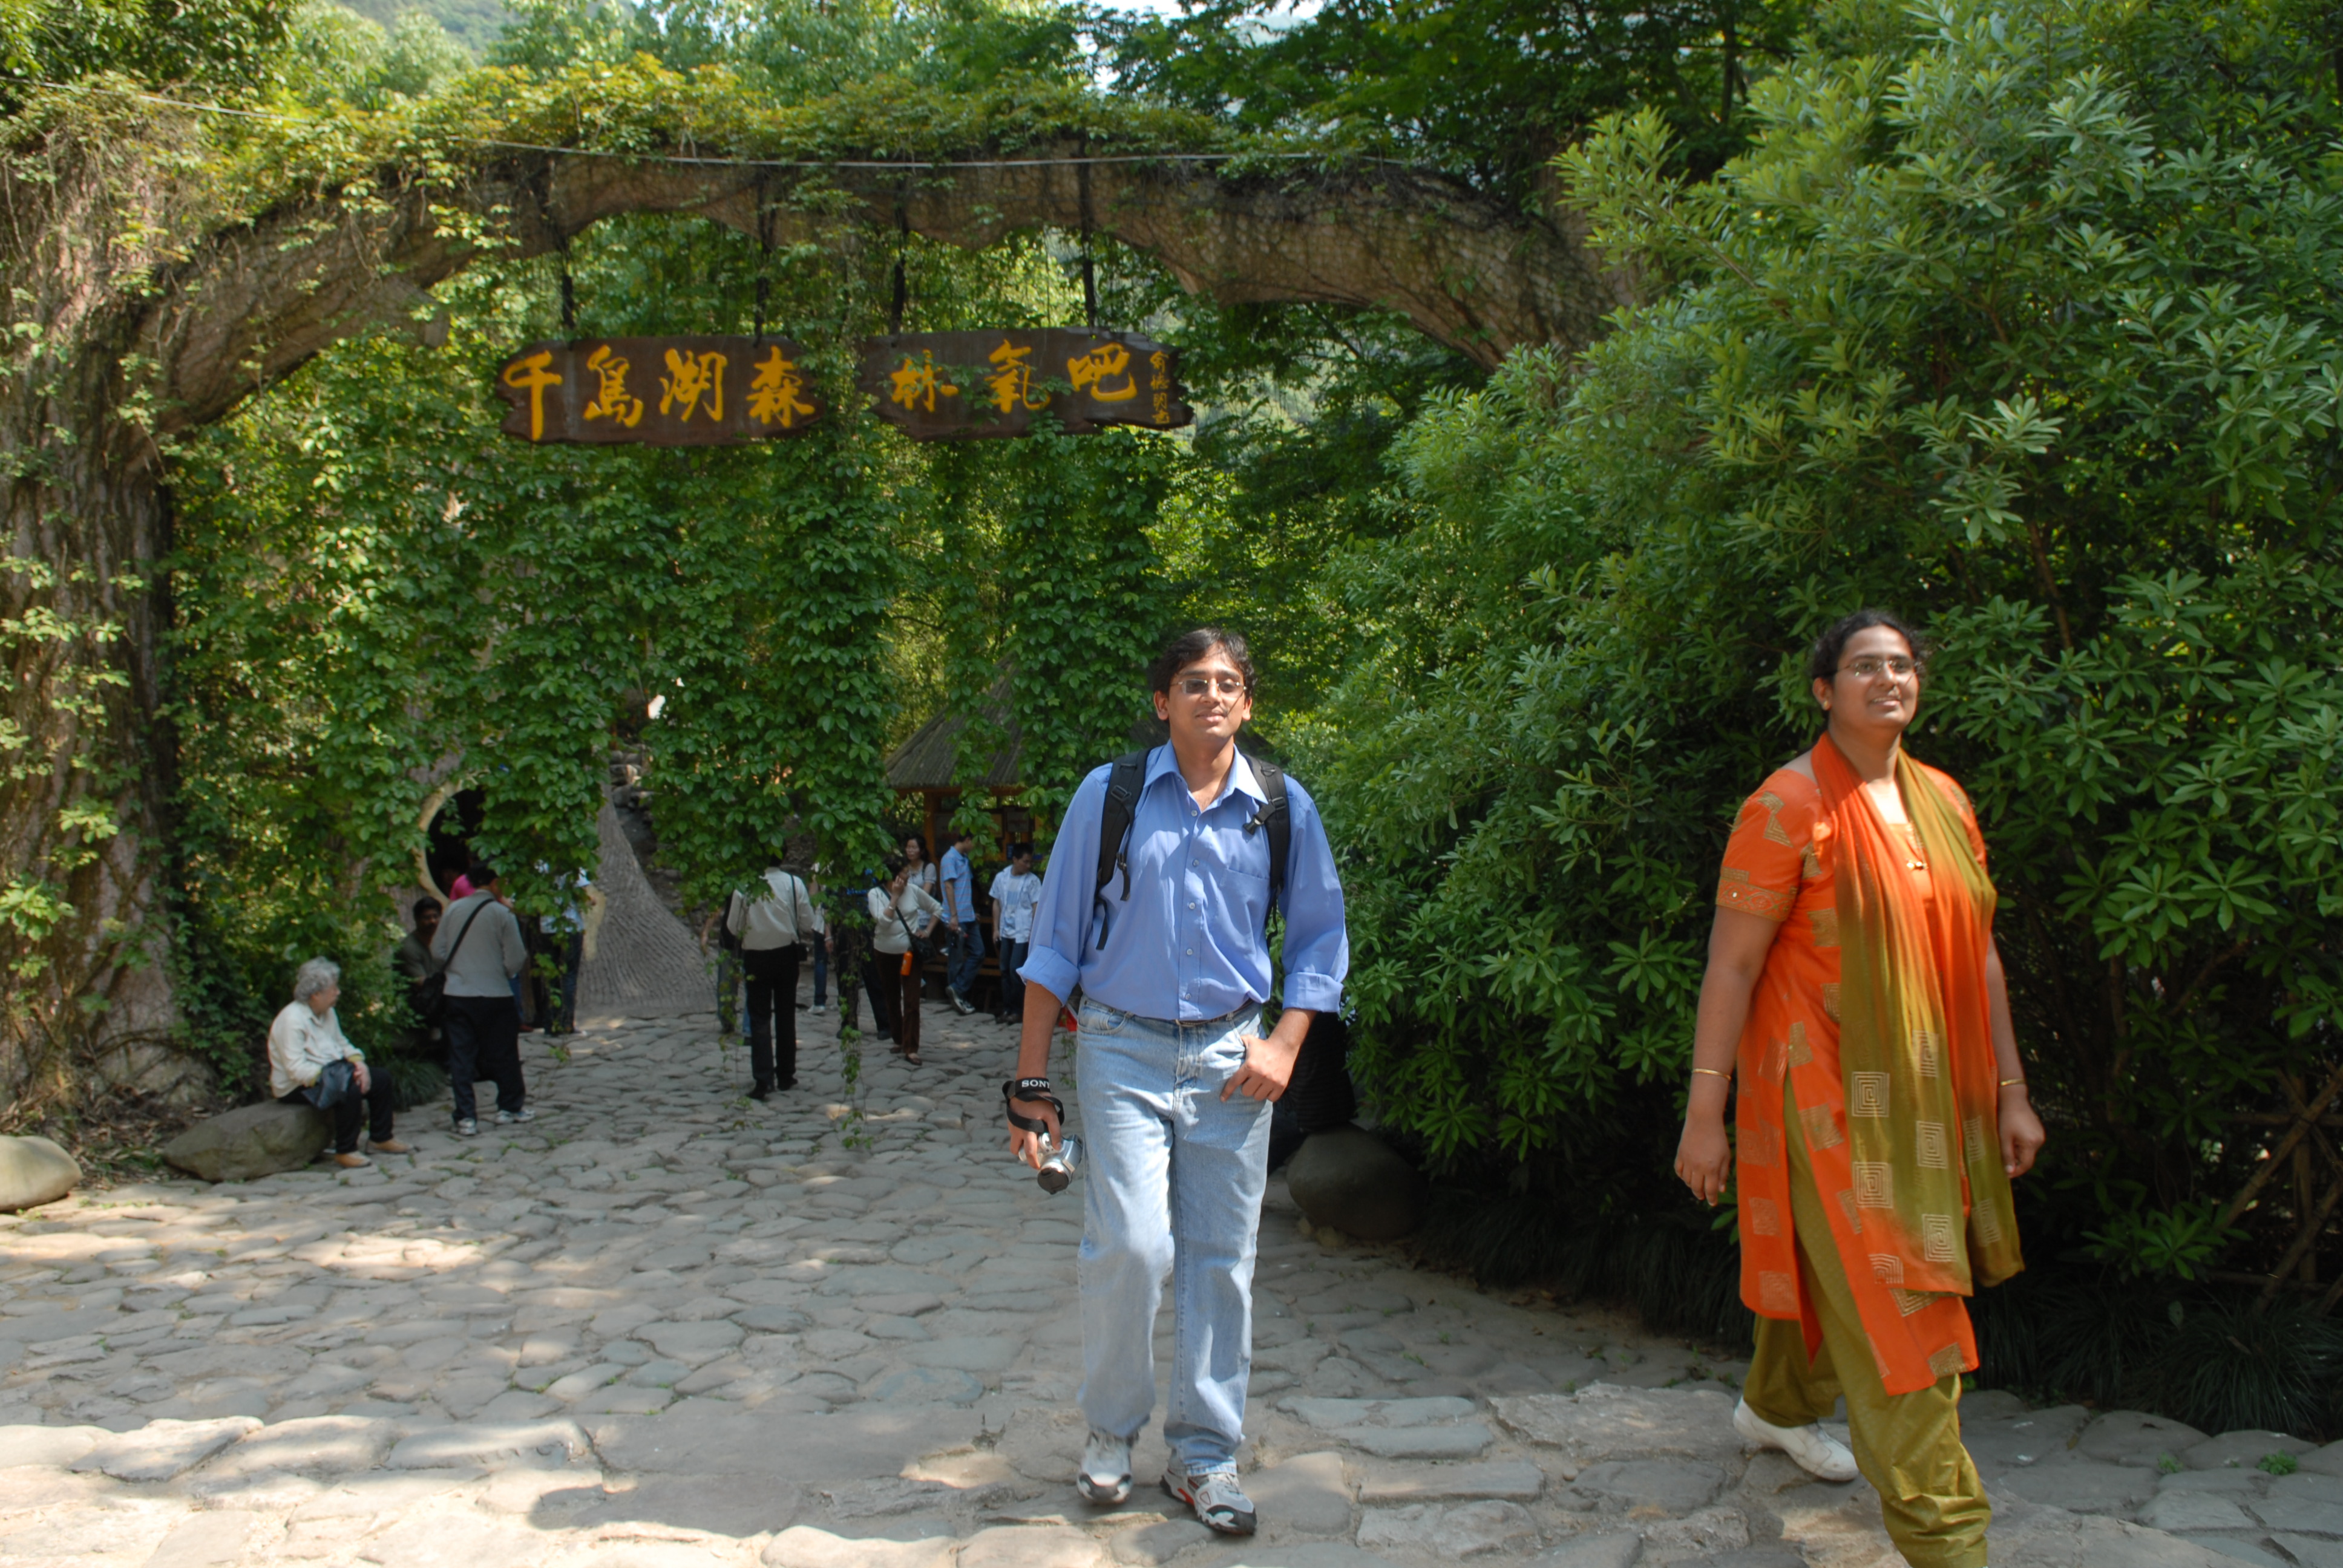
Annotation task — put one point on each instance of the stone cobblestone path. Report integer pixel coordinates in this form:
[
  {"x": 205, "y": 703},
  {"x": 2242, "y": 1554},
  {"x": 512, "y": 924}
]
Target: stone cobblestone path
[{"x": 666, "y": 1326}]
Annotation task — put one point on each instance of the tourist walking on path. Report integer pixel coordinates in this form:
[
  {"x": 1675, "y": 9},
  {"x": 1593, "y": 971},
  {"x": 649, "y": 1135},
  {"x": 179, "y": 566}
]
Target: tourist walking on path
[
  {"x": 1015, "y": 891},
  {"x": 772, "y": 929},
  {"x": 483, "y": 1021},
  {"x": 1854, "y": 981},
  {"x": 311, "y": 1062},
  {"x": 902, "y": 917},
  {"x": 959, "y": 914},
  {"x": 1161, "y": 917}
]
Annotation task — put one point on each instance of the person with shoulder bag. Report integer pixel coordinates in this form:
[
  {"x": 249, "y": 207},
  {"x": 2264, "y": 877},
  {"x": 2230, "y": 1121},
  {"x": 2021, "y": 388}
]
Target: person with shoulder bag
[
  {"x": 1156, "y": 904},
  {"x": 772, "y": 929},
  {"x": 903, "y": 918},
  {"x": 482, "y": 1019}
]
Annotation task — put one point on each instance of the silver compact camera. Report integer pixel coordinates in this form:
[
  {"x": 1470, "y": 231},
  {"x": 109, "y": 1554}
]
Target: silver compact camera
[{"x": 1062, "y": 1163}]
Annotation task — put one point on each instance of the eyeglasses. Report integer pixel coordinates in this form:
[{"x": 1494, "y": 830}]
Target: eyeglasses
[
  {"x": 1895, "y": 664},
  {"x": 1193, "y": 686}
]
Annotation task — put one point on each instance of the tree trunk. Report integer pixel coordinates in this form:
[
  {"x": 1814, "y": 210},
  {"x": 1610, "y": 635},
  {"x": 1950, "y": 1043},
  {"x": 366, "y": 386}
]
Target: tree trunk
[{"x": 137, "y": 316}]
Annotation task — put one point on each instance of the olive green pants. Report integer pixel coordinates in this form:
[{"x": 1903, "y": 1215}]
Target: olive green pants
[{"x": 1907, "y": 1445}]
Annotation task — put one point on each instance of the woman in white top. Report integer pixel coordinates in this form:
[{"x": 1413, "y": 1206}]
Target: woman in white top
[
  {"x": 899, "y": 911},
  {"x": 312, "y": 1062}
]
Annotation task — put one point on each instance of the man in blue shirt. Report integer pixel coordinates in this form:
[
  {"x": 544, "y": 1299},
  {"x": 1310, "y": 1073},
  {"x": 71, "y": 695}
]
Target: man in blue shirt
[
  {"x": 959, "y": 914},
  {"x": 1175, "y": 1080}
]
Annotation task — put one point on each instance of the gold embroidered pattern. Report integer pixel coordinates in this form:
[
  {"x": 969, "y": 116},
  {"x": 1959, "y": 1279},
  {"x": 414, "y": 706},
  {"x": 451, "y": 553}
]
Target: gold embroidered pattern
[
  {"x": 1866, "y": 1094},
  {"x": 1801, "y": 1054},
  {"x": 1887, "y": 1268},
  {"x": 1948, "y": 1361},
  {"x": 1973, "y": 1146},
  {"x": 1761, "y": 1145},
  {"x": 1933, "y": 1149},
  {"x": 1764, "y": 1217},
  {"x": 1987, "y": 1224},
  {"x": 1765, "y": 903},
  {"x": 1811, "y": 867},
  {"x": 1937, "y": 1238},
  {"x": 1875, "y": 1184},
  {"x": 1825, "y": 926},
  {"x": 1777, "y": 1293},
  {"x": 1774, "y": 832},
  {"x": 1830, "y": 1000},
  {"x": 1924, "y": 1052},
  {"x": 1822, "y": 1127},
  {"x": 1910, "y": 1301}
]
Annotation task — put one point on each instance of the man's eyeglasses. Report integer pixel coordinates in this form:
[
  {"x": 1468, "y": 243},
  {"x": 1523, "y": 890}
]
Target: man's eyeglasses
[
  {"x": 1895, "y": 664},
  {"x": 1193, "y": 686}
]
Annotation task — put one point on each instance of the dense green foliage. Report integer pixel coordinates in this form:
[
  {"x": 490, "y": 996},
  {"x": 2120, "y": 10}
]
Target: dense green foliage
[{"x": 2023, "y": 325}]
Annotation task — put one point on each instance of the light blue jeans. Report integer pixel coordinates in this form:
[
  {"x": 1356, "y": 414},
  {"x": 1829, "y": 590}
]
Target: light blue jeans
[{"x": 1172, "y": 1181}]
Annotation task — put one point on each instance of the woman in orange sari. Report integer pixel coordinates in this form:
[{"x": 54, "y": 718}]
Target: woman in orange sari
[{"x": 1854, "y": 986}]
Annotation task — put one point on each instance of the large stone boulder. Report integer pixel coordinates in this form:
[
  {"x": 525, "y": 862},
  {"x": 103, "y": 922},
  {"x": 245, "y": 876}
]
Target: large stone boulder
[
  {"x": 255, "y": 1140},
  {"x": 34, "y": 1170},
  {"x": 1351, "y": 1180}
]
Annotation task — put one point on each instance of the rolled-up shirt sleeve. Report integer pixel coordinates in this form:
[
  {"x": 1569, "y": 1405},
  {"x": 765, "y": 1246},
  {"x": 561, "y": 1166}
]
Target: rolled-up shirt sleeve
[
  {"x": 1062, "y": 916},
  {"x": 1317, "y": 943}
]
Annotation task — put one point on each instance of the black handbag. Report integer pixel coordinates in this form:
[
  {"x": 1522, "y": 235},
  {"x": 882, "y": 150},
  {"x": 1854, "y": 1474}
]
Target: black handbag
[{"x": 429, "y": 996}]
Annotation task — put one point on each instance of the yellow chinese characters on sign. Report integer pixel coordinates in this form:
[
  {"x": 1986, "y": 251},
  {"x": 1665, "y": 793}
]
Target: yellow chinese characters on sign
[
  {"x": 613, "y": 403},
  {"x": 914, "y": 380},
  {"x": 1161, "y": 363},
  {"x": 532, "y": 374},
  {"x": 1091, "y": 373},
  {"x": 776, "y": 393},
  {"x": 693, "y": 383},
  {"x": 1010, "y": 383}
]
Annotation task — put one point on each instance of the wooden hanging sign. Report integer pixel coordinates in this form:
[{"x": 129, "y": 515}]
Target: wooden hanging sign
[
  {"x": 969, "y": 385},
  {"x": 701, "y": 391}
]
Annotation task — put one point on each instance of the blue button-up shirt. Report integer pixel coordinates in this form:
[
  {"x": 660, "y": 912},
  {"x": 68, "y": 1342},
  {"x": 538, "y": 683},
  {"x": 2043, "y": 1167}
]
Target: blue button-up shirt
[
  {"x": 960, "y": 886},
  {"x": 1189, "y": 944}
]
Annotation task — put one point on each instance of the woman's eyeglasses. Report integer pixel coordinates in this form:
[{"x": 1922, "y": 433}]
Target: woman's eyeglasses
[
  {"x": 1193, "y": 686},
  {"x": 1895, "y": 664}
]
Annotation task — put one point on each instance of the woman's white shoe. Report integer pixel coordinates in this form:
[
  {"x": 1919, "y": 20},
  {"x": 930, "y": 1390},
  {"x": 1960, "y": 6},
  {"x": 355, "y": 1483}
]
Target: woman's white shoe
[{"x": 1819, "y": 1455}]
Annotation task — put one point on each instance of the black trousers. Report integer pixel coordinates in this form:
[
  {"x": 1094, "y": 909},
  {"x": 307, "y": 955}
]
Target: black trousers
[
  {"x": 772, "y": 1014},
  {"x": 879, "y": 978},
  {"x": 484, "y": 1039},
  {"x": 337, "y": 1094}
]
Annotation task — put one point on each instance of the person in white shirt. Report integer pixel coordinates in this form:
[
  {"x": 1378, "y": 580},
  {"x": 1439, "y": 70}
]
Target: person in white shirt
[
  {"x": 1015, "y": 891},
  {"x": 772, "y": 929},
  {"x": 899, "y": 911},
  {"x": 312, "y": 1062}
]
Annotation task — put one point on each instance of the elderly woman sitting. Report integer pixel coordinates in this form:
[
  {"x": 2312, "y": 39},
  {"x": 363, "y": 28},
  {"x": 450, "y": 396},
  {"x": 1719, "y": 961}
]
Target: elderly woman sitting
[{"x": 311, "y": 1062}]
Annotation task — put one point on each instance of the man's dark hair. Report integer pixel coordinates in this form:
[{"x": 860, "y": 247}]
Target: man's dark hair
[
  {"x": 481, "y": 873},
  {"x": 423, "y": 903},
  {"x": 1020, "y": 848},
  {"x": 1189, "y": 646},
  {"x": 964, "y": 836},
  {"x": 1822, "y": 664}
]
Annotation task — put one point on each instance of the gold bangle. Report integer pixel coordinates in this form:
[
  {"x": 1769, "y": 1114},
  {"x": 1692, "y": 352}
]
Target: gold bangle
[
  {"x": 2006, "y": 1083},
  {"x": 1712, "y": 1072}
]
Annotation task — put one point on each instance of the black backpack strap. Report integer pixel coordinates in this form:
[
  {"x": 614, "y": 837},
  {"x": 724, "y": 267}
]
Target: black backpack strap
[
  {"x": 1275, "y": 816},
  {"x": 1122, "y": 787},
  {"x": 461, "y": 933}
]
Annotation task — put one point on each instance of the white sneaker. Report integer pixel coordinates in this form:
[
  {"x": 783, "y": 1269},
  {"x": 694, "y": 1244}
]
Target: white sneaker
[
  {"x": 1220, "y": 1503},
  {"x": 1817, "y": 1454},
  {"x": 466, "y": 1128},
  {"x": 820, "y": 1008},
  {"x": 1104, "y": 1478},
  {"x": 507, "y": 1118}
]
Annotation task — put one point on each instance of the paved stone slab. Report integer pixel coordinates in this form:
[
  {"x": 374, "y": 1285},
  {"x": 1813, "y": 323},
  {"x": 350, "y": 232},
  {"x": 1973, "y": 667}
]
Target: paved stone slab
[
  {"x": 804, "y": 1546},
  {"x": 46, "y": 1444},
  {"x": 162, "y": 1449},
  {"x": 1310, "y": 1555},
  {"x": 1465, "y": 1530},
  {"x": 1031, "y": 1546},
  {"x": 320, "y": 1444},
  {"x": 1466, "y": 1440},
  {"x": 2327, "y": 1461},
  {"x": 2184, "y": 1511},
  {"x": 208, "y": 1539},
  {"x": 2127, "y": 1437},
  {"x": 2242, "y": 1450},
  {"x": 490, "y": 1443},
  {"x": 2302, "y": 1515},
  {"x": 704, "y": 1437},
  {"x": 1518, "y": 1482},
  {"x": 2085, "y": 1486},
  {"x": 1669, "y": 1485},
  {"x": 1306, "y": 1494},
  {"x": 1606, "y": 1421},
  {"x": 2309, "y": 1551},
  {"x": 1330, "y": 1415},
  {"x": 1999, "y": 1443},
  {"x": 1603, "y": 1549}
]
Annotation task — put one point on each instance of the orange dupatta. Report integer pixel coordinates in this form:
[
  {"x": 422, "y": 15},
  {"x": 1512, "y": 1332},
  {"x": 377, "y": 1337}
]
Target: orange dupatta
[{"x": 1873, "y": 1006}]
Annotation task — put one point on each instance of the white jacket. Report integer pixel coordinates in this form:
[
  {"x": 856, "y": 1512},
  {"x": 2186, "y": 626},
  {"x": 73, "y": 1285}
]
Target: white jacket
[
  {"x": 783, "y": 918},
  {"x": 893, "y": 922},
  {"x": 300, "y": 1044}
]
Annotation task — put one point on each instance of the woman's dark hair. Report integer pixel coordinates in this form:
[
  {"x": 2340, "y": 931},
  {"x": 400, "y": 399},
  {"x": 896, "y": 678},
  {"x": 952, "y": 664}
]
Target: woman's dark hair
[
  {"x": 1189, "y": 646},
  {"x": 1020, "y": 847},
  {"x": 895, "y": 864},
  {"x": 1823, "y": 663},
  {"x": 922, "y": 840}
]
